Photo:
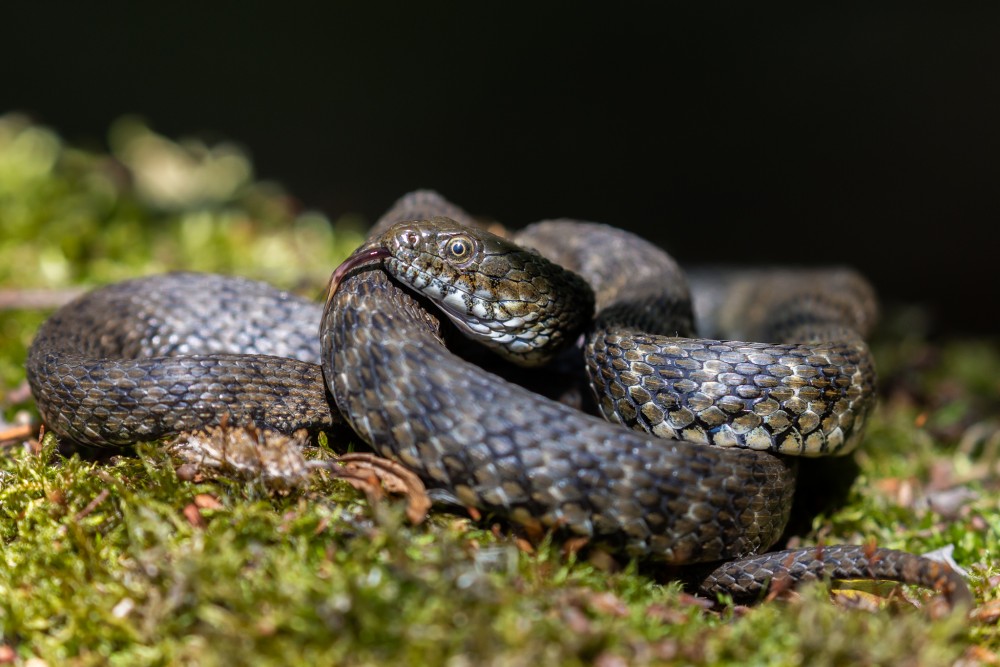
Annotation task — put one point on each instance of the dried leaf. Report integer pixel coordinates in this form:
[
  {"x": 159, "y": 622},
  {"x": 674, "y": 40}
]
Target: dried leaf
[
  {"x": 207, "y": 501},
  {"x": 193, "y": 515},
  {"x": 274, "y": 458},
  {"x": 608, "y": 604},
  {"x": 372, "y": 474}
]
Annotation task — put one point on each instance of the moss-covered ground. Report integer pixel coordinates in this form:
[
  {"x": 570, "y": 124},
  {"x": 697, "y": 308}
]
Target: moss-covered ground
[{"x": 123, "y": 561}]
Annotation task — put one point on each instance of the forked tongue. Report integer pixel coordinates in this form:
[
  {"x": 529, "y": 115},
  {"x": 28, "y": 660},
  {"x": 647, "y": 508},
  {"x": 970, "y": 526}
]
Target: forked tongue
[{"x": 368, "y": 254}]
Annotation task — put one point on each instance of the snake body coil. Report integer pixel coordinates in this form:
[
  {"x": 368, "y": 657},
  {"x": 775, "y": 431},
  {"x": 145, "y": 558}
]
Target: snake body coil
[{"x": 143, "y": 359}]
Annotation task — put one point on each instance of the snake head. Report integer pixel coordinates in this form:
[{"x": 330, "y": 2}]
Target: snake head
[{"x": 510, "y": 299}]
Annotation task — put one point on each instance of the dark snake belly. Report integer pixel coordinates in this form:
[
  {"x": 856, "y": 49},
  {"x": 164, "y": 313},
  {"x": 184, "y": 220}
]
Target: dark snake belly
[{"x": 144, "y": 359}]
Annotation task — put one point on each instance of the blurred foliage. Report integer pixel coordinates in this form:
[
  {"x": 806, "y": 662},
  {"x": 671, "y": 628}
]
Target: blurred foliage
[
  {"x": 121, "y": 562},
  {"x": 71, "y": 217}
]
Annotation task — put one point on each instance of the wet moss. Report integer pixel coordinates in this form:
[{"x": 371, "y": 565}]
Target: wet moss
[{"x": 119, "y": 561}]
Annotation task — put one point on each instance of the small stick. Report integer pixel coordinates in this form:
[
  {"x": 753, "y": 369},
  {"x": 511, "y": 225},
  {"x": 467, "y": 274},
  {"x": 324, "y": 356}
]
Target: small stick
[
  {"x": 16, "y": 433},
  {"x": 36, "y": 299}
]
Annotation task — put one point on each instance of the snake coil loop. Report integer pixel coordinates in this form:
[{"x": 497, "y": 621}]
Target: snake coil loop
[{"x": 146, "y": 358}]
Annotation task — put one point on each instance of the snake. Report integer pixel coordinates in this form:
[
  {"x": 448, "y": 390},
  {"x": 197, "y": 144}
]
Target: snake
[{"x": 691, "y": 460}]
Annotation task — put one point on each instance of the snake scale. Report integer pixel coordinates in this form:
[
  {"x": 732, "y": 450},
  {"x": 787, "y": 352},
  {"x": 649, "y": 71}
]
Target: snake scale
[{"x": 699, "y": 476}]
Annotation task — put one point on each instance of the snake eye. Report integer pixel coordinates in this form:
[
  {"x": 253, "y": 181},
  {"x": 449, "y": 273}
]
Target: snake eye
[{"x": 459, "y": 248}]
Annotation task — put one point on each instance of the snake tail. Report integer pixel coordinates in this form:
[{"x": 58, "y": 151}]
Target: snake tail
[{"x": 749, "y": 579}]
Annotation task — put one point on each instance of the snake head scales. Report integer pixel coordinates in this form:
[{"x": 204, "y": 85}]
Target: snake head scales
[{"x": 510, "y": 299}]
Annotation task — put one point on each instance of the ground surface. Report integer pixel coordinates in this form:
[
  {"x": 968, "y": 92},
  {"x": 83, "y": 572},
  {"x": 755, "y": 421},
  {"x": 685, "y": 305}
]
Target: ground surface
[{"x": 128, "y": 562}]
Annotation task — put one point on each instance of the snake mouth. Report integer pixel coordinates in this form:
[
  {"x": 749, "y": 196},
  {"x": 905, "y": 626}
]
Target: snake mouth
[{"x": 366, "y": 255}]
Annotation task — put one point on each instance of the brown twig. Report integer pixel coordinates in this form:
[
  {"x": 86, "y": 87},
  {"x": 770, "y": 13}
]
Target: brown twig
[
  {"x": 18, "y": 394},
  {"x": 92, "y": 505},
  {"x": 37, "y": 299},
  {"x": 17, "y": 433}
]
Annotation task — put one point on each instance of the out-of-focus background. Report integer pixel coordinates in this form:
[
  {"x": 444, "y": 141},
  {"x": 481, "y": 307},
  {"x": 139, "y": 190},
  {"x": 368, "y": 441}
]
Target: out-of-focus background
[{"x": 726, "y": 133}]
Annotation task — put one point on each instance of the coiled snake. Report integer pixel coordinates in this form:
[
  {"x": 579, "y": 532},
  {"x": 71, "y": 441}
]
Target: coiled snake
[{"x": 147, "y": 358}]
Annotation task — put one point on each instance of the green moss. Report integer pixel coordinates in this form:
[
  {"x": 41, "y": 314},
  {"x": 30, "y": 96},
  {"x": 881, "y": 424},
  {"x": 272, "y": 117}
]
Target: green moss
[{"x": 121, "y": 562}]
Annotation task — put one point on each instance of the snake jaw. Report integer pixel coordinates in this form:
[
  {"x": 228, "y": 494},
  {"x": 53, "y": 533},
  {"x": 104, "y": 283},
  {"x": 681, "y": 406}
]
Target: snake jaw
[{"x": 372, "y": 252}]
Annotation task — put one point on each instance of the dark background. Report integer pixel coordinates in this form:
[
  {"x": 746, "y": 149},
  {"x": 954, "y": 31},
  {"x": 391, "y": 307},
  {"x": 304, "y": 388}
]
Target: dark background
[{"x": 723, "y": 131}]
